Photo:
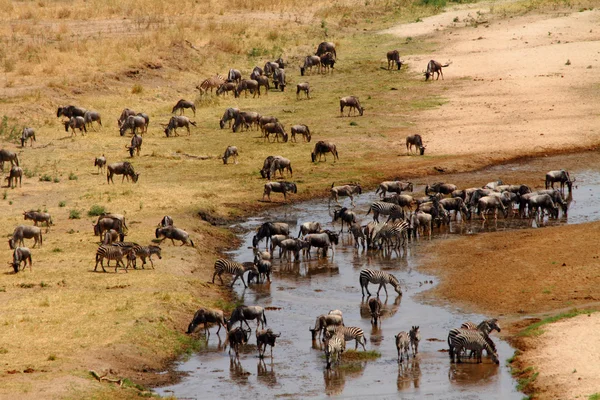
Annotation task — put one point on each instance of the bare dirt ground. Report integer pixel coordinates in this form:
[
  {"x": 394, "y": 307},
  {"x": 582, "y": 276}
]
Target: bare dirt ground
[{"x": 520, "y": 85}]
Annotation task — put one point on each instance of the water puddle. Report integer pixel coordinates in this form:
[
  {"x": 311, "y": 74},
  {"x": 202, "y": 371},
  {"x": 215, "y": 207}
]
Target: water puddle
[{"x": 301, "y": 291}]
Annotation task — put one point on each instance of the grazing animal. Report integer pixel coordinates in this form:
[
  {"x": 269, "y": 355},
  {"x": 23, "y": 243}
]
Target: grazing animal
[
  {"x": 226, "y": 88},
  {"x": 345, "y": 215},
  {"x": 279, "y": 79},
  {"x": 264, "y": 338},
  {"x": 415, "y": 338},
  {"x": 237, "y": 337},
  {"x": 322, "y": 240},
  {"x": 303, "y": 87},
  {"x": 230, "y": 267},
  {"x": 402, "y": 345},
  {"x": 92, "y": 116},
  {"x": 144, "y": 252},
  {"x": 246, "y": 119},
  {"x": 264, "y": 268},
  {"x": 28, "y": 133},
  {"x": 166, "y": 221},
  {"x": 179, "y": 121},
  {"x": 326, "y": 47},
  {"x": 25, "y": 232},
  {"x": 206, "y": 316},
  {"x": 309, "y": 227},
  {"x": 106, "y": 223},
  {"x": 234, "y": 75},
  {"x": 280, "y": 164},
  {"x": 265, "y": 172},
  {"x": 393, "y": 56},
  {"x": 279, "y": 187},
  {"x": 322, "y": 148},
  {"x": 7, "y": 155},
  {"x": 378, "y": 277},
  {"x": 210, "y": 83},
  {"x": 393, "y": 187},
  {"x": 21, "y": 255},
  {"x": 382, "y": 208},
  {"x": 439, "y": 187},
  {"x": 170, "y": 232},
  {"x": 230, "y": 114},
  {"x": 109, "y": 253},
  {"x": 352, "y": 103},
  {"x": 270, "y": 67},
  {"x": 182, "y": 105},
  {"x": 349, "y": 333},
  {"x": 70, "y": 111},
  {"x": 334, "y": 348},
  {"x": 434, "y": 67},
  {"x": 265, "y": 119},
  {"x": 375, "y": 307},
  {"x": 268, "y": 229},
  {"x": 327, "y": 62},
  {"x": 133, "y": 122},
  {"x": 469, "y": 339},
  {"x": 345, "y": 191},
  {"x": 309, "y": 63},
  {"x": 243, "y": 314},
  {"x": 403, "y": 200},
  {"x": 417, "y": 141},
  {"x": 392, "y": 230},
  {"x": 124, "y": 115},
  {"x": 488, "y": 203},
  {"x": 136, "y": 145},
  {"x": 256, "y": 72},
  {"x": 277, "y": 129},
  {"x": 247, "y": 85},
  {"x": 75, "y": 123},
  {"x": 263, "y": 81},
  {"x": 37, "y": 216},
  {"x": 484, "y": 327},
  {"x": 457, "y": 205},
  {"x": 121, "y": 168},
  {"x": 230, "y": 151},
  {"x": 542, "y": 202},
  {"x": 110, "y": 236},
  {"x": 358, "y": 234},
  {"x": 323, "y": 321},
  {"x": 287, "y": 246},
  {"x": 100, "y": 162},
  {"x": 302, "y": 130},
  {"x": 562, "y": 177},
  {"x": 14, "y": 174}
]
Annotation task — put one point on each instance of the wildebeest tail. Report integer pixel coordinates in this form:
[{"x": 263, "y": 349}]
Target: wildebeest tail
[
  {"x": 193, "y": 123},
  {"x": 192, "y": 242},
  {"x": 264, "y": 317}
]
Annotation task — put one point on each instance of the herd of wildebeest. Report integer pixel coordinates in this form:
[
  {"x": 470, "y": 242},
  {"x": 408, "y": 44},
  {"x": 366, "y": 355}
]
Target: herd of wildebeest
[{"x": 408, "y": 216}]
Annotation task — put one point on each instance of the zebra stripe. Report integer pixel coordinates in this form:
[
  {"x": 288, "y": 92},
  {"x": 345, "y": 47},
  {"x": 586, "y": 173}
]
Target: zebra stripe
[
  {"x": 110, "y": 253},
  {"x": 468, "y": 339},
  {"x": 388, "y": 232},
  {"x": 211, "y": 83},
  {"x": 378, "y": 277},
  {"x": 415, "y": 338},
  {"x": 485, "y": 327},
  {"x": 334, "y": 349},
  {"x": 402, "y": 343},
  {"x": 349, "y": 333},
  {"x": 230, "y": 267},
  {"x": 142, "y": 252},
  {"x": 381, "y": 207}
]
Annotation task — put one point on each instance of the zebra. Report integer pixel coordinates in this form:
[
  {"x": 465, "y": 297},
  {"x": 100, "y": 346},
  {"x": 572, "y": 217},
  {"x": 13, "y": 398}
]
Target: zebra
[
  {"x": 334, "y": 349},
  {"x": 110, "y": 253},
  {"x": 381, "y": 207},
  {"x": 142, "y": 252},
  {"x": 398, "y": 230},
  {"x": 467, "y": 339},
  {"x": 402, "y": 345},
  {"x": 374, "y": 276},
  {"x": 415, "y": 338},
  {"x": 211, "y": 83},
  {"x": 485, "y": 327},
  {"x": 231, "y": 267},
  {"x": 349, "y": 333}
]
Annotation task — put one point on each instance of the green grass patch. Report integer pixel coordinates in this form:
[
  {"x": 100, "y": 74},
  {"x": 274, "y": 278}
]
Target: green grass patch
[
  {"x": 353, "y": 355},
  {"x": 45, "y": 178},
  {"x": 595, "y": 396},
  {"x": 74, "y": 214},
  {"x": 535, "y": 328},
  {"x": 96, "y": 210}
]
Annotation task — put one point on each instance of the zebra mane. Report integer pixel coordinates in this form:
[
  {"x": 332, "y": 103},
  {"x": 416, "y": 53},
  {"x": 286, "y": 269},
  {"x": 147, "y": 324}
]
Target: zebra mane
[{"x": 394, "y": 281}]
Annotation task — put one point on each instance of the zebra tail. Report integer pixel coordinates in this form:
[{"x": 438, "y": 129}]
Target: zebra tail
[
  {"x": 264, "y": 317},
  {"x": 368, "y": 212}
]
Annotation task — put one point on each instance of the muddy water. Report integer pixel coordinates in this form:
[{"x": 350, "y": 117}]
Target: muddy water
[{"x": 301, "y": 291}]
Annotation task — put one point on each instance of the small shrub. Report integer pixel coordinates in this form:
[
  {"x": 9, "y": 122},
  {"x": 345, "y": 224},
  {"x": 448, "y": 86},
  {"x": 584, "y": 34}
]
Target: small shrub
[
  {"x": 96, "y": 210},
  {"x": 62, "y": 203},
  {"x": 72, "y": 177},
  {"x": 137, "y": 89},
  {"x": 56, "y": 180},
  {"x": 4, "y": 195},
  {"x": 568, "y": 62},
  {"x": 28, "y": 173},
  {"x": 44, "y": 284},
  {"x": 56, "y": 250},
  {"x": 71, "y": 231},
  {"x": 3, "y": 350},
  {"x": 353, "y": 123},
  {"x": 52, "y": 357},
  {"x": 74, "y": 214},
  {"x": 45, "y": 178}
]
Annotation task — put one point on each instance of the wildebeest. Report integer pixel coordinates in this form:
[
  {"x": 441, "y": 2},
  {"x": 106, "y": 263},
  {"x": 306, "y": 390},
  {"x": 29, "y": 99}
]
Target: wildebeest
[
  {"x": 37, "y": 216},
  {"x": 393, "y": 56},
  {"x": 393, "y": 187},
  {"x": 237, "y": 337},
  {"x": 309, "y": 63},
  {"x": 28, "y": 133},
  {"x": 561, "y": 176},
  {"x": 457, "y": 205},
  {"x": 70, "y": 111},
  {"x": 167, "y": 220},
  {"x": 279, "y": 187},
  {"x": 326, "y": 47},
  {"x": 229, "y": 115},
  {"x": 226, "y": 88},
  {"x": 264, "y": 338},
  {"x": 309, "y": 227},
  {"x": 133, "y": 122},
  {"x": 256, "y": 72},
  {"x": 279, "y": 79},
  {"x": 327, "y": 62},
  {"x": 25, "y": 232},
  {"x": 542, "y": 202},
  {"x": 182, "y": 105},
  {"x": 243, "y": 314},
  {"x": 246, "y": 119},
  {"x": 110, "y": 236},
  {"x": 322, "y": 148},
  {"x": 488, "y": 203},
  {"x": 303, "y": 87},
  {"x": 234, "y": 75},
  {"x": 230, "y": 151},
  {"x": 266, "y": 119},
  {"x": 301, "y": 129},
  {"x": 375, "y": 307},
  {"x": 277, "y": 129},
  {"x": 92, "y": 116},
  {"x": 440, "y": 187},
  {"x": 121, "y": 168},
  {"x": 179, "y": 121},
  {"x": 323, "y": 321},
  {"x": 263, "y": 81},
  {"x": 107, "y": 223},
  {"x": 268, "y": 229},
  {"x": 352, "y": 103},
  {"x": 265, "y": 172},
  {"x": 323, "y": 240},
  {"x": 280, "y": 164},
  {"x": 247, "y": 85},
  {"x": 170, "y": 232},
  {"x": 124, "y": 115},
  {"x": 434, "y": 67},
  {"x": 345, "y": 215},
  {"x": 21, "y": 255},
  {"x": 7, "y": 155},
  {"x": 206, "y": 316},
  {"x": 16, "y": 173},
  {"x": 136, "y": 145},
  {"x": 292, "y": 245},
  {"x": 417, "y": 141},
  {"x": 75, "y": 123},
  {"x": 344, "y": 190}
]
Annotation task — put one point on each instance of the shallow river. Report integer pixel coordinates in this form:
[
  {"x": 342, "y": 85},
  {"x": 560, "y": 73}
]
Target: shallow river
[{"x": 301, "y": 291}]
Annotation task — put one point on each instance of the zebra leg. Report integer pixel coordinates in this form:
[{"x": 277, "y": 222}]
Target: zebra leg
[{"x": 235, "y": 279}]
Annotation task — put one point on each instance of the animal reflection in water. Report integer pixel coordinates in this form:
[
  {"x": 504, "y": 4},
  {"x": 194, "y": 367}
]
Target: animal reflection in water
[
  {"x": 387, "y": 310},
  {"x": 471, "y": 373},
  {"x": 266, "y": 373},
  {"x": 409, "y": 375},
  {"x": 237, "y": 372},
  {"x": 335, "y": 378}
]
